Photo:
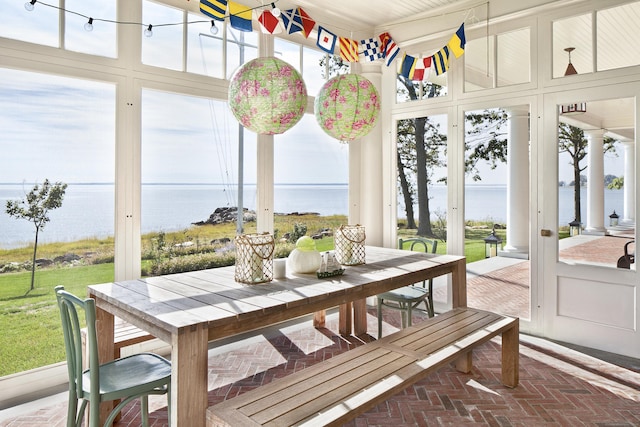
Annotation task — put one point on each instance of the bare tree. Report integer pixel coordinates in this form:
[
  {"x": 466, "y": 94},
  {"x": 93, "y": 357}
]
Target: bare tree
[{"x": 35, "y": 207}]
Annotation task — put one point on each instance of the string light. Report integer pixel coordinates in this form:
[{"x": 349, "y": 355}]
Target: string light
[
  {"x": 275, "y": 11},
  {"x": 213, "y": 29},
  {"x": 148, "y": 32},
  {"x": 89, "y": 25}
]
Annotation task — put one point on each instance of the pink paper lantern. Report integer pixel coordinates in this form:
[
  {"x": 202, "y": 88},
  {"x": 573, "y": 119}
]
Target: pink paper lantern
[
  {"x": 347, "y": 107},
  {"x": 267, "y": 96}
]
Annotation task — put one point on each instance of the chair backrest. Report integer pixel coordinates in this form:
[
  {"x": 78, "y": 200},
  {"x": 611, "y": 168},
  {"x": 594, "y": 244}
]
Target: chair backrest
[
  {"x": 429, "y": 245},
  {"x": 71, "y": 328}
]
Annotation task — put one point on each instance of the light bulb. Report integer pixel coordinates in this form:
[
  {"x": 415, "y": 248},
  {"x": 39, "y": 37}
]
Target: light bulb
[
  {"x": 213, "y": 29},
  {"x": 275, "y": 11},
  {"x": 149, "y": 31},
  {"x": 29, "y": 5},
  {"x": 89, "y": 25}
]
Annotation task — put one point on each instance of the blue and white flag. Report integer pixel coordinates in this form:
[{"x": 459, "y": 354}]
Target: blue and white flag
[
  {"x": 326, "y": 40},
  {"x": 370, "y": 50}
]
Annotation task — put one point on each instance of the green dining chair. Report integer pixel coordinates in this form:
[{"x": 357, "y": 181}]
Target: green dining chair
[
  {"x": 124, "y": 379},
  {"x": 410, "y": 297}
]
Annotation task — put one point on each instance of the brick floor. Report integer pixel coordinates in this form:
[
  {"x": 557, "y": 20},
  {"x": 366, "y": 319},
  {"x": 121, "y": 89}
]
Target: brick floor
[{"x": 553, "y": 391}]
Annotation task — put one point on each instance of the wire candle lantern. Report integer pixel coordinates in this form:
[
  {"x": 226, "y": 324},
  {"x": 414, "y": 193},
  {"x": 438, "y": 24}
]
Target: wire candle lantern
[
  {"x": 254, "y": 258},
  {"x": 349, "y": 242}
]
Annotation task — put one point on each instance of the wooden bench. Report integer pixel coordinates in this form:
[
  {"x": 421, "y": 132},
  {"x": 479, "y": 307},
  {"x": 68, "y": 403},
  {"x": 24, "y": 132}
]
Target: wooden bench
[
  {"x": 124, "y": 335},
  {"x": 345, "y": 386}
]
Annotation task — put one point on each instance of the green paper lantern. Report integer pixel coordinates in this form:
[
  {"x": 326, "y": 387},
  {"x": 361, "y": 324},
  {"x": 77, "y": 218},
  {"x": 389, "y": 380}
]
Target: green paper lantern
[
  {"x": 267, "y": 96},
  {"x": 347, "y": 107}
]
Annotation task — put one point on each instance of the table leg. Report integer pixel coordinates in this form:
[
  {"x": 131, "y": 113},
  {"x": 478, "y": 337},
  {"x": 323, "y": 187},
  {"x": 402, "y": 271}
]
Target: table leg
[
  {"x": 320, "y": 319},
  {"x": 189, "y": 375},
  {"x": 345, "y": 316},
  {"x": 360, "y": 317},
  {"x": 459, "y": 284},
  {"x": 104, "y": 330}
]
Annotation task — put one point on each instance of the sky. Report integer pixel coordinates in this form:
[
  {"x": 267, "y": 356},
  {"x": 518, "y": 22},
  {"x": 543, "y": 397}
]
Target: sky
[{"x": 63, "y": 129}]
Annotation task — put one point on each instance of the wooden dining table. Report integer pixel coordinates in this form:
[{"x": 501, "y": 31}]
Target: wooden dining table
[{"x": 189, "y": 310}]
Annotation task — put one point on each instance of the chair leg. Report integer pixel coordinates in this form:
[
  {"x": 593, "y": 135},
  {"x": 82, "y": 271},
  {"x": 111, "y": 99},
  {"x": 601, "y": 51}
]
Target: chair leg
[
  {"x": 169, "y": 404},
  {"x": 144, "y": 410},
  {"x": 379, "y": 317},
  {"x": 72, "y": 410},
  {"x": 409, "y": 314}
]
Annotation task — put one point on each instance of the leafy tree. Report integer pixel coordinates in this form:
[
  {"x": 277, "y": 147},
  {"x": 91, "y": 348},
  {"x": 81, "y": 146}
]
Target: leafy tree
[
  {"x": 616, "y": 183},
  {"x": 422, "y": 149},
  {"x": 571, "y": 140},
  {"x": 35, "y": 208}
]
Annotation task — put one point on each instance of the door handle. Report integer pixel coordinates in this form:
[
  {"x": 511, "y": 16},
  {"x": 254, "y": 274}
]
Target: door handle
[{"x": 545, "y": 233}]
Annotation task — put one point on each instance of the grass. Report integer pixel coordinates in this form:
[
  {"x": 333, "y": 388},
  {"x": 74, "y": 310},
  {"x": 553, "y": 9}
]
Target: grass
[{"x": 30, "y": 320}]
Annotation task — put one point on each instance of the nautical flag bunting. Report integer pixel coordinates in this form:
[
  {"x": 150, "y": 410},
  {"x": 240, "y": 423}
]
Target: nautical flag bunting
[
  {"x": 407, "y": 66},
  {"x": 370, "y": 50},
  {"x": 388, "y": 48},
  {"x": 348, "y": 49},
  {"x": 297, "y": 20},
  {"x": 269, "y": 24},
  {"x": 215, "y": 9},
  {"x": 440, "y": 61},
  {"x": 240, "y": 16},
  {"x": 422, "y": 69},
  {"x": 326, "y": 40},
  {"x": 457, "y": 42}
]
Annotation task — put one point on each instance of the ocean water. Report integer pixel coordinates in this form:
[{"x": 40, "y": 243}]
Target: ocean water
[{"x": 87, "y": 209}]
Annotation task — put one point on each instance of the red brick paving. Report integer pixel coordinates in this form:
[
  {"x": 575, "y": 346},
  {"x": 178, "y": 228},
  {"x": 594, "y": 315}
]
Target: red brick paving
[{"x": 546, "y": 395}]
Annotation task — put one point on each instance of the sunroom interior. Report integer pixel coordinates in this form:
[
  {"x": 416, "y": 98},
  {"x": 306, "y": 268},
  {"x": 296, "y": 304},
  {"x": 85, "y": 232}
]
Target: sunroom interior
[{"x": 150, "y": 79}]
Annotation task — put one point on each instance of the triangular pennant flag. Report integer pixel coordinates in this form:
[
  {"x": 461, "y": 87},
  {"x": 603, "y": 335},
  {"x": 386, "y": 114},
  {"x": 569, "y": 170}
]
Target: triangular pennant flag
[
  {"x": 307, "y": 23},
  {"x": 407, "y": 66},
  {"x": 348, "y": 49},
  {"x": 457, "y": 42},
  {"x": 422, "y": 69},
  {"x": 240, "y": 16},
  {"x": 326, "y": 40},
  {"x": 291, "y": 20},
  {"x": 440, "y": 61},
  {"x": 268, "y": 22},
  {"x": 388, "y": 47},
  {"x": 370, "y": 50},
  {"x": 215, "y": 9}
]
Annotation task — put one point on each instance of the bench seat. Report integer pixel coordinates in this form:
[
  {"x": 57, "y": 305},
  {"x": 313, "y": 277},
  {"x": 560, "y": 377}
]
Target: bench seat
[
  {"x": 124, "y": 335},
  {"x": 339, "y": 389}
]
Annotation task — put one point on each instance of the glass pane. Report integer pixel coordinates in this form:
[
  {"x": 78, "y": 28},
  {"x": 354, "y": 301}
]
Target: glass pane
[
  {"x": 496, "y": 209},
  {"x": 101, "y": 38},
  {"x": 422, "y": 189},
  {"x": 288, "y": 52},
  {"x": 408, "y": 90},
  {"x": 574, "y": 33},
  {"x": 479, "y": 62},
  {"x": 164, "y": 47},
  {"x": 38, "y": 26},
  {"x": 313, "y": 70},
  {"x": 514, "y": 65},
  {"x": 190, "y": 168},
  {"x": 596, "y": 202},
  {"x": 617, "y": 33},
  {"x": 63, "y": 130},
  {"x": 204, "y": 49},
  {"x": 242, "y": 47},
  {"x": 311, "y": 174}
]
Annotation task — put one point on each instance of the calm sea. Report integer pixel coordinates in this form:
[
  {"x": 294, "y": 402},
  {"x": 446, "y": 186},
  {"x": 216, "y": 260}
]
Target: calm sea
[{"x": 87, "y": 210}]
